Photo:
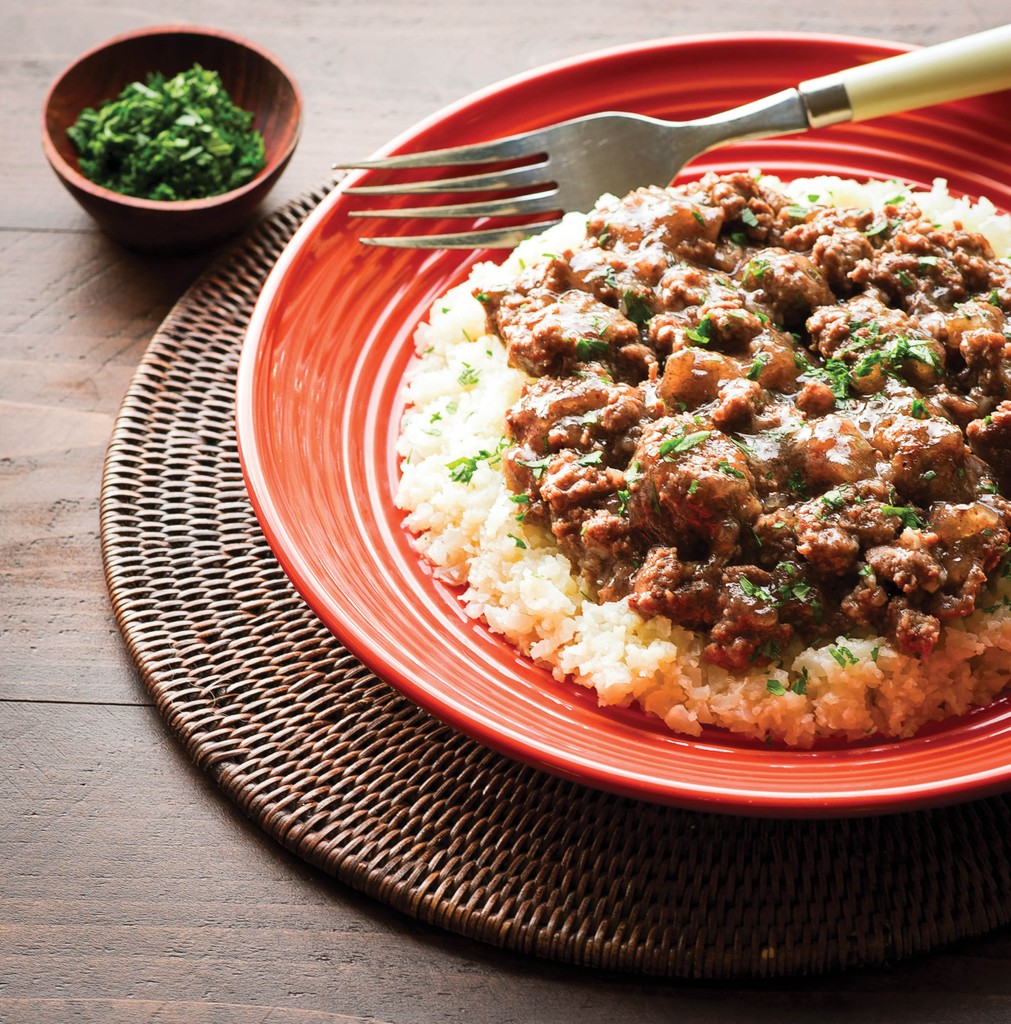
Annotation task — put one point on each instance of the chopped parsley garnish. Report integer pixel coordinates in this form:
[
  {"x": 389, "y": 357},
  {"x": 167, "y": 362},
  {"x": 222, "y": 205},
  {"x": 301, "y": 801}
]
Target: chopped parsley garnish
[
  {"x": 910, "y": 520},
  {"x": 901, "y": 348},
  {"x": 775, "y": 687},
  {"x": 536, "y": 466},
  {"x": 636, "y": 309},
  {"x": 896, "y": 351},
  {"x": 702, "y": 333},
  {"x": 654, "y": 498},
  {"x": 867, "y": 363},
  {"x": 837, "y": 377},
  {"x": 756, "y": 267},
  {"x": 835, "y": 373},
  {"x": 588, "y": 349},
  {"x": 522, "y": 500},
  {"x": 753, "y": 590},
  {"x": 590, "y": 459},
  {"x": 169, "y": 139},
  {"x": 725, "y": 467},
  {"x": 770, "y": 649},
  {"x": 462, "y": 470},
  {"x": 761, "y": 361},
  {"x": 632, "y": 477},
  {"x": 676, "y": 445},
  {"x": 871, "y": 329},
  {"x": 919, "y": 410},
  {"x": 796, "y": 483},
  {"x": 844, "y": 656}
]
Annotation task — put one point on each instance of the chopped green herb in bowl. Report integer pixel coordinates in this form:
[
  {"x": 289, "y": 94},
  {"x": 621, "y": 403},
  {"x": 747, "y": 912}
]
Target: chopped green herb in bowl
[
  {"x": 176, "y": 161},
  {"x": 169, "y": 139}
]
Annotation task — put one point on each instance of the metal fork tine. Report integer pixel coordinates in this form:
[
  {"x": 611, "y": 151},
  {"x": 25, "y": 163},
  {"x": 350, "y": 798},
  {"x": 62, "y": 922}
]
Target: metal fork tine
[
  {"x": 539, "y": 202},
  {"x": 514, "y": 177},
  {"x": 508, "y": 148},
  {"x": 496, "y": 238}
]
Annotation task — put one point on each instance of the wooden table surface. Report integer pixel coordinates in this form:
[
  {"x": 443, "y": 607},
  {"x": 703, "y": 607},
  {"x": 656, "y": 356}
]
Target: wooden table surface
[{"x": 130, "y": 889}]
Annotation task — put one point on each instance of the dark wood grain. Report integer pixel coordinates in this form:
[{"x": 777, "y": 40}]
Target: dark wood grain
[{"x": 130, "y": 890}]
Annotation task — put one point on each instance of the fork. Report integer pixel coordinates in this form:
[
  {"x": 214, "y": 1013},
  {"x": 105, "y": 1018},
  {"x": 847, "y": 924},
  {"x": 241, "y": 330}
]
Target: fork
[{"x": 567, "y": 166}]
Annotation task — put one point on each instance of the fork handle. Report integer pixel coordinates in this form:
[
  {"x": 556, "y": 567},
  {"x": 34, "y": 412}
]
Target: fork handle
[{"x": 970, "y": 66}]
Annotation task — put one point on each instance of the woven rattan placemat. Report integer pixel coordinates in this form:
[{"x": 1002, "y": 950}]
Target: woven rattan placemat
[{"x": 354, "y": 779}]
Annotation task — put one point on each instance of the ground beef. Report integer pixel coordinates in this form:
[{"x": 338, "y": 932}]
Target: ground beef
[
  {"x": 786, "y": 283},
  {"x": 765, "y": 421}
]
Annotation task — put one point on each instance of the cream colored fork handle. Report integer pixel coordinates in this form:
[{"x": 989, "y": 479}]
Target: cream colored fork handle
[{"x": 970, "y": 66}]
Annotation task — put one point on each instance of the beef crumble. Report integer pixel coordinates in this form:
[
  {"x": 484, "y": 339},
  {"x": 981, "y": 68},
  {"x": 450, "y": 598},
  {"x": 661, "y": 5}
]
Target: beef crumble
[{"x": 766, "y": 421}]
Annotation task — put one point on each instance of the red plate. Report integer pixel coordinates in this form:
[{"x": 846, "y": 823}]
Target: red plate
[{"x": 320, "y": 399}]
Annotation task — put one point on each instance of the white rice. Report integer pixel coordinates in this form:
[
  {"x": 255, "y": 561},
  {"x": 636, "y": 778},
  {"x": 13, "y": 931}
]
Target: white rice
[{"x": 516, "y": 579}]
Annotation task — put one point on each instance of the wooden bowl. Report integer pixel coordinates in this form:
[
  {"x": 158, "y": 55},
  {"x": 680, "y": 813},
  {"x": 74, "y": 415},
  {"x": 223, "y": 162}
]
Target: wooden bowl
[{"x": 253, "y": 78}]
